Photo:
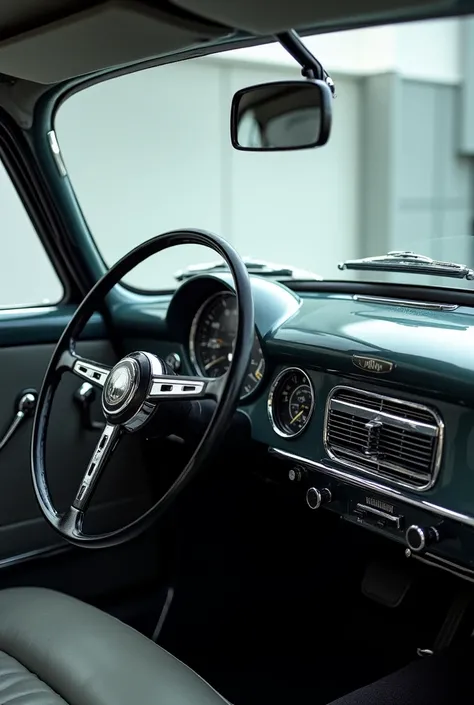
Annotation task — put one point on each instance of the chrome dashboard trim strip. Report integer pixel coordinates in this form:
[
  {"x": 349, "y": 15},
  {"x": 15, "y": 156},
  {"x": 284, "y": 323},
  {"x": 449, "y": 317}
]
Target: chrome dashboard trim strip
[
  {"x": 456, "y": 569},
  {"x": 361, "y": 468},
  {"x": 408, "y": 303},
  {"x": 367, "y": 484}
]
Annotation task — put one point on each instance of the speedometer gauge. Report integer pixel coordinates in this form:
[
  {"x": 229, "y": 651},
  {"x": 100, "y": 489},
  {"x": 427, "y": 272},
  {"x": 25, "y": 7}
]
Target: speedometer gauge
[
  {"x": 212, "y": 338},
  {"x": 290, "y": 402}
]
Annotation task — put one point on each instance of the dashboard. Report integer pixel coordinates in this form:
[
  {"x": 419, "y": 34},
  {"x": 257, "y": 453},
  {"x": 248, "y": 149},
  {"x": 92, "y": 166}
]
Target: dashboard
[{"x": 366, "y": 403}]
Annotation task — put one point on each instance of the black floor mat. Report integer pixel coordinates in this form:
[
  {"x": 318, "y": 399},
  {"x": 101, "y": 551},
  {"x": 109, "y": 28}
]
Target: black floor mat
[
  {"x": 308, "y": 646},
  {"x": 139, "y": 610}
]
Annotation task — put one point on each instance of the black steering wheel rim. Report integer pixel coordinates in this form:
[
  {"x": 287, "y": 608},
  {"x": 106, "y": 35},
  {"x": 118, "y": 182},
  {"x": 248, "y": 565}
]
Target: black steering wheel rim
[{"x": 225, "y": 407}]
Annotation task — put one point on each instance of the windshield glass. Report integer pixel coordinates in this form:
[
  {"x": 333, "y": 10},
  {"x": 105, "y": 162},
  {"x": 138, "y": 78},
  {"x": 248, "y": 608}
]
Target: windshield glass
[{"x": 150, "y": 151}]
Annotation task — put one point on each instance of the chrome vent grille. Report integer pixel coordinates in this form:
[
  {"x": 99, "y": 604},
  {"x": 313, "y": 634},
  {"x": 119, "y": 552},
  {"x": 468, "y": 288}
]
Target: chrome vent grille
[{"x": 388, "y": 437}]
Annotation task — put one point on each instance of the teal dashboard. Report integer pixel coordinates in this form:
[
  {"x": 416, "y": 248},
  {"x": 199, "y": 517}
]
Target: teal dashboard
[{"x": 364, "y": 401}]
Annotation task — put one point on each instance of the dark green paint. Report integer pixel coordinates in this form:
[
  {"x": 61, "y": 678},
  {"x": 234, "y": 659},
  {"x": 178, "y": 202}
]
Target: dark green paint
[
  {"x": 455, "y": 486},
  {"x": 33, "y": 326},
  {"x": 434, "y": 356},
  {"x": 433, "y": 351}
]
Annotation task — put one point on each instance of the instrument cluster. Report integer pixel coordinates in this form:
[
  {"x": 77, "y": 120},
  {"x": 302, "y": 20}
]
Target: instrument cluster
[{"x": 212, "y": 337}]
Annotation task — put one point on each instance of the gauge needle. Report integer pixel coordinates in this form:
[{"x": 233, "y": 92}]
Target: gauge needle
[
  {"x": 295, "y": 418},
  {"x": 215, "y": 362}
]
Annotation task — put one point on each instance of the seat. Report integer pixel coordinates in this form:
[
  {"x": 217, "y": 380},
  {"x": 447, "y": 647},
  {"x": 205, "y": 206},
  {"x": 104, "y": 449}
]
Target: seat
[{"x": 55, "y": 649}]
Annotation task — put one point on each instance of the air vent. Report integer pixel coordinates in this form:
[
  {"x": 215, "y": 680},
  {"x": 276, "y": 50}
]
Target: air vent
[{"x": 384, "y": 436}]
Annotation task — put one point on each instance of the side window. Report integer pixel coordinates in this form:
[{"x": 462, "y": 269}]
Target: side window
[{"x": 27, "y": 277}]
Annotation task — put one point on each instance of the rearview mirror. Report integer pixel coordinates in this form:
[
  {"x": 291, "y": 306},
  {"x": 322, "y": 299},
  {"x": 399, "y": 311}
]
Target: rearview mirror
[{"x": 281, "y": 116}]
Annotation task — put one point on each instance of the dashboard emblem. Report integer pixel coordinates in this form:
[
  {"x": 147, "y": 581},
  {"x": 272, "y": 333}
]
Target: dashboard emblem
[{"x": 372, "y": 364}]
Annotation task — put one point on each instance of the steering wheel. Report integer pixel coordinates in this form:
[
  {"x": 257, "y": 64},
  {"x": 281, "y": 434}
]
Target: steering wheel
[{"x": 133, "y": 389}]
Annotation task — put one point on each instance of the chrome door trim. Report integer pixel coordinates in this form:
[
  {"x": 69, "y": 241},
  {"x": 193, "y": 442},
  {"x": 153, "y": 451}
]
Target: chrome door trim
[{"x": 46, "y": 552}]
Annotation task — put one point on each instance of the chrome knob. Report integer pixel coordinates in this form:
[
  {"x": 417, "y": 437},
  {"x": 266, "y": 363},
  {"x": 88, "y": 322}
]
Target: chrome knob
[
  {"x": 316, "y": 498},
  {"x": 173, "y": 360},
  {"x": 295, "y": 474},
  {"x": 27, "y": 403},
  {"x": 419, "y": 538}
]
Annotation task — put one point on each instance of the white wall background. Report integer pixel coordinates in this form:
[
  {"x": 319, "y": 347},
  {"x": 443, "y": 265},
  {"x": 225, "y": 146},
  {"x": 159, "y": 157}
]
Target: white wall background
[
  {"x": 150, "y": 152},
  {"x": 428, "y": 51},
  {"x": 27, "y": 277}
]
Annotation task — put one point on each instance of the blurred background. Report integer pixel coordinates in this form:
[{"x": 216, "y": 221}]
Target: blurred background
[{"x": 150, "y": 152}]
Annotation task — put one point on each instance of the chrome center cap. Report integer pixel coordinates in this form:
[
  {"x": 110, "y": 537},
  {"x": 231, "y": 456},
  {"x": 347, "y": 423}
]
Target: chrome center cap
[
  {"x": 121, "y": 385},
  {"x": 118, "y": 385}
]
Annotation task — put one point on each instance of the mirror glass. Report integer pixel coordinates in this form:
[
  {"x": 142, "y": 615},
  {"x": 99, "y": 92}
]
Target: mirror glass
[{"x": 280, "y": 116}]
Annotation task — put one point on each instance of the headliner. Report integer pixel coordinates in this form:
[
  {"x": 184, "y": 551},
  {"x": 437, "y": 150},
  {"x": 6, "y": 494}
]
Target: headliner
[{"x": 50, "y": 41}]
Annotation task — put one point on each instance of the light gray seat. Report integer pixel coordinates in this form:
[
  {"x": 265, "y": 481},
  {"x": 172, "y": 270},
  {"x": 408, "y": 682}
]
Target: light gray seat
[{"x": 55, "y": 649}]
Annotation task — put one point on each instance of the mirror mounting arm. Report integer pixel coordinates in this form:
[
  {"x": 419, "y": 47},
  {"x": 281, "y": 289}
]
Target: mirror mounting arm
[{"x": 311, "y": 68}]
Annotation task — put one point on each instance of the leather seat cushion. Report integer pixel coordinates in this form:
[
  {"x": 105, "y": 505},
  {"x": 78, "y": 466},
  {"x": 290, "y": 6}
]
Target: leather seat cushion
[
  {"x": 55, "y": 649},
  {"x": 20, "y": 686}
]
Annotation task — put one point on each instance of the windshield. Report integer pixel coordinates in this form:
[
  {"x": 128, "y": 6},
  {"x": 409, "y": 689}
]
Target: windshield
[{"x": 150, "y": 151}]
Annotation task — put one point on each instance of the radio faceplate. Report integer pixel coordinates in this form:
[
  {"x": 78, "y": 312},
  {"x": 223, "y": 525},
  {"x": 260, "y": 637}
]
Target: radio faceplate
[
  {"x": 444, "y": 542},
  {"x": 366, "y": 513}
]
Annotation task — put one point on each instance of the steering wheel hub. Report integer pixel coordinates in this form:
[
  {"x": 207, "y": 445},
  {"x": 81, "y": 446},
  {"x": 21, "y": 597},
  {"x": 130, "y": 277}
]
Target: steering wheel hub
[
  {"x": 120, "y": 387},
  {"x": 126, "y": 390}
]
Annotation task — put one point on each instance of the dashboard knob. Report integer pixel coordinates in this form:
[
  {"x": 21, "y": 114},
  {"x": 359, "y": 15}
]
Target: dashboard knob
[
  {"x": 419, "y": 538},
  {"x": 316, "y": 498},
  {"x": 295, "y": 474},
  {"x": 173, "y": 360}
]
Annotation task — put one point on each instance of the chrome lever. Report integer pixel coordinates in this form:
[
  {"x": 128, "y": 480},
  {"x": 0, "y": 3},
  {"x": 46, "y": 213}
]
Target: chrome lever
[
  {"x": 25, "y": 408},
  {"x": 84, "y": 398}
]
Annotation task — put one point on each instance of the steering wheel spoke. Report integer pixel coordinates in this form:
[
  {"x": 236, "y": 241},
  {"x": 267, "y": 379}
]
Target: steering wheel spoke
[
  {"x": 132, "y": 390},
  {"x": 105, "y": 447},
  {"x": 182, "y": 387},
  {"x": 94, "y": 372}
]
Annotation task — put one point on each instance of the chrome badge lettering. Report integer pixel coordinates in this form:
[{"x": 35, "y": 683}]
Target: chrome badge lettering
[{"x": 372, "y": 364}]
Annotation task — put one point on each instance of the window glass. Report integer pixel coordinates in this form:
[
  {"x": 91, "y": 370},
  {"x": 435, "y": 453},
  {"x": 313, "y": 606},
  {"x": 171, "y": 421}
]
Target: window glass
[
  {"x": 150, "y": 151},
  {"x": 27, "y": 277}
]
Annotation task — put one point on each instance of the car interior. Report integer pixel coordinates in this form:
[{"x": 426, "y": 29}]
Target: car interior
[{"x": 252, "y": 486}]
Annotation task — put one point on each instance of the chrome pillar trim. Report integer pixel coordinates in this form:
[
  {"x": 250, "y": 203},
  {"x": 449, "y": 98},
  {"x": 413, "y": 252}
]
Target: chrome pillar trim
[
  {"x": 56, "y": 152},
  {"x": 367, "y": 484}
]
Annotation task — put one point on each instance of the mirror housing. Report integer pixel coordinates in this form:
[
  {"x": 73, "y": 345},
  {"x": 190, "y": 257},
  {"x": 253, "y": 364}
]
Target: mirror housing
[{"x": 281, "y": 116}]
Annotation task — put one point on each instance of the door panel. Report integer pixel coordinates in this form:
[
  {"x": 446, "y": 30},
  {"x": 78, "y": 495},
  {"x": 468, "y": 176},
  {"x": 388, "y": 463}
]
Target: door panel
[{"x": 124, "y": 489}]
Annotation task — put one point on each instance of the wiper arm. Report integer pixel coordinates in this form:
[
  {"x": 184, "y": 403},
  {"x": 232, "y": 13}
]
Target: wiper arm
[
  {"x": 254, "y": 266},
  {"x": 399, "y": 261}
]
